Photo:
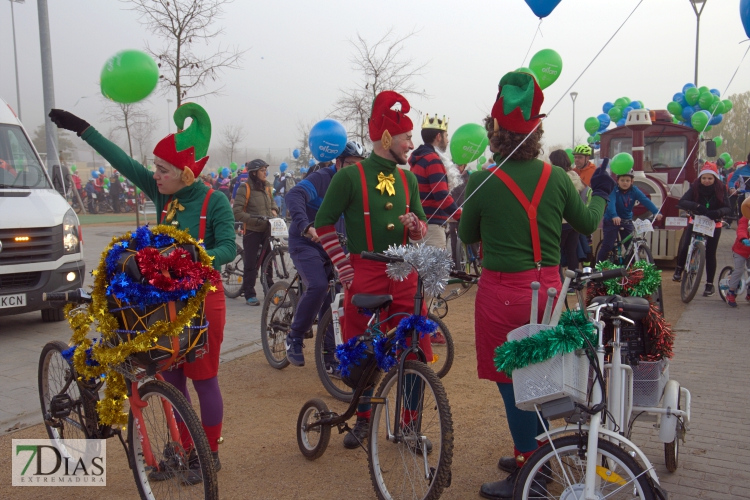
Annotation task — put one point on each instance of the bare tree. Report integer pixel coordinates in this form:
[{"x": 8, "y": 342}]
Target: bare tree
[
  {"x": 231, "y": 137},
  {"x": 382, "y": 65},
  {"x": 735, "y": 128},
  {"x": 123, "y": 118},
  {"x": 141, "y": 132},
  {"x": 303, "y": 143},
  {"x": 182, "y": 24}
]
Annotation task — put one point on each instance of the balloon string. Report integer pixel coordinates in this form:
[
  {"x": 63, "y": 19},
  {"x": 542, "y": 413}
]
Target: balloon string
[
  {"x": 538, "y": 30},
  {"x": 553, "y": 107}
]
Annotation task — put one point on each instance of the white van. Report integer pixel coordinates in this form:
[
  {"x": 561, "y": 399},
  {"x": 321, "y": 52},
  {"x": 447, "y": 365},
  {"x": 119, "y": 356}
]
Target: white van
[{"x": 41, "y": 248}]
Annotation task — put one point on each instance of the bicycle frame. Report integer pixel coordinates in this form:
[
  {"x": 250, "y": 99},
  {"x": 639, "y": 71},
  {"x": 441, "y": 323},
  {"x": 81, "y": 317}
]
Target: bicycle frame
[{"x": 695, "y": 237}]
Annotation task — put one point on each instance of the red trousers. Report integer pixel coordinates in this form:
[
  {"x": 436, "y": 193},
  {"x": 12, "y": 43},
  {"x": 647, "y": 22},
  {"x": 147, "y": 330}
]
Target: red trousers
[
  {"x": 216, "y": 315},
  {"x": 503, "y": 304},
  {"x": 370, "y": 277}
]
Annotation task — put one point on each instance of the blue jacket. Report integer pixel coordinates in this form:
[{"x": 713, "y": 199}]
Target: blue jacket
[
  {"x": 303, "y": 202},
  {"x": 742, "y": 171},
  {"x": 621, "y": 203}
]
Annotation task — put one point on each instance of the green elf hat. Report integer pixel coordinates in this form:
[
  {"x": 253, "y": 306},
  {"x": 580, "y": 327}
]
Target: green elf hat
[
  {"x": 518, "y": 101},
  {"x": 187, "y": 149}
]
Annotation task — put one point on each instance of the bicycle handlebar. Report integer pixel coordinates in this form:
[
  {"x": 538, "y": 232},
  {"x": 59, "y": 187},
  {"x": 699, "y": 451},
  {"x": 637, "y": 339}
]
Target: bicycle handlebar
[
  {"x": 463, "y": 276},
  {"x": 581, "y": 276},
  {"x": 379, "y": 257},
  {"x": 79, "y": 296}
]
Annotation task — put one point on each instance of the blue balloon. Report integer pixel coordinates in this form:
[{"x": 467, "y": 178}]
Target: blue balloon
[
  {"x": 295, "y": 153},
  {"x": 303, "y": 170},
  {"x": 213, "y": 174},
  {"x": 745, "y": 15},
  {"x": 595, "y": 145},
  {"x": 621, "y": 122},
  {"x": 715, "y": 92},
  {"x": 542, "y": 8},
  {"x": 715, "y": 120},
  {"x": 327, "y": 139},
  {"x": 283, "y": 166},
  {"x": 697, "y": 107},
  {"x": 688, "y": 86},
  {"x": 311, "y": 162},
  {"x": 627, "y": 110},
  {"x": 679, "y": 98},
  {"x": 688, "y": 112},
  {"x": 101, "y": 170},
  {"x": 635, "y": 104},
  {"x": 604, "y": 120},
  {"x": 607, "y": 106},
  {"x": 95, "y": 174},
  {"x": 225, "y": 172}
]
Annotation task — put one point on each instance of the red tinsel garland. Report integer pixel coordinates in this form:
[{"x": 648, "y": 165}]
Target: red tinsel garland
[{"x": 182, "y": 272}]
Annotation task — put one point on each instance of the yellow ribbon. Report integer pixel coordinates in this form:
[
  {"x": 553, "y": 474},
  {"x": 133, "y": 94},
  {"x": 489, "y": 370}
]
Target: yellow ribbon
[
  {"x": 385, "y": 183},
  {"x": 172, "y": 211}
]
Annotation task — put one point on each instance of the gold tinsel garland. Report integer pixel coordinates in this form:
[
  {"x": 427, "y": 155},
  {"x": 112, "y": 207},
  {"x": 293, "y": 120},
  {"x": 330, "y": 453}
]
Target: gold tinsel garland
[{"x": 110, "y": 409}]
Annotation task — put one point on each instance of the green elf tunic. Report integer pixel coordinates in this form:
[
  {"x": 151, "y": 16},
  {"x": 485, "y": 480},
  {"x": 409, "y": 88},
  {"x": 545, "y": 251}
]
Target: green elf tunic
[{"x": 219, "y": 239}]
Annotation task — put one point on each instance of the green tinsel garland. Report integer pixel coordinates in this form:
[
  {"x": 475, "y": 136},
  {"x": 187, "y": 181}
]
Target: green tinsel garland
[
  {"x": 642, "y": 280},
  {"x": 564, "y": 338}
]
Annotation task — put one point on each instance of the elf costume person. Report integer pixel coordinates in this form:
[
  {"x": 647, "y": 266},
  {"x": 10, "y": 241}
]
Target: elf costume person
[
  {"x": 381, "y": 207},
  {"x": 193, "y": 207},
  {"x": 517, "y": 215}
]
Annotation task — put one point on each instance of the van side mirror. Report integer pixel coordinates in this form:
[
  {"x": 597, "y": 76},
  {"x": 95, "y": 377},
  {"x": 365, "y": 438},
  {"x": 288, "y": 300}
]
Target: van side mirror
[{"x": 710, "y": 148}]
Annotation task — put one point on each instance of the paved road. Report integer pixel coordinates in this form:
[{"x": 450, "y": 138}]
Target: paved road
[{"x": 22, "y": 338}]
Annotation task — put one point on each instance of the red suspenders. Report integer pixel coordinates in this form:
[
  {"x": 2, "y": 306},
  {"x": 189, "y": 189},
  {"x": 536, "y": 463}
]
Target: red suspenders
[
  {"x": 366, "y": 205},
  {"x": 530, "y": 207},
  {"x": 204, "y": 211}
]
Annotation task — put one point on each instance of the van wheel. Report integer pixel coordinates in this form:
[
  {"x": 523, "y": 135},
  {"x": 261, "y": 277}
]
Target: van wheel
[{"x": 52, "y": 315}]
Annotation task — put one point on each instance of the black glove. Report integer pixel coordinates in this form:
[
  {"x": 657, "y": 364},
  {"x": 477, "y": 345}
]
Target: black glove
[
  {"x": 68, "y": 121},
  {"x": 700, "y": 210},
  {"x": 713, "y": 214},
  {"x": 601, "y": 182}
]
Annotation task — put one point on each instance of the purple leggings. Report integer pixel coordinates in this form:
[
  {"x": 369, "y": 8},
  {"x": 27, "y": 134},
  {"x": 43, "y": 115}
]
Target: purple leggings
[{"x": 209, "y": 395}]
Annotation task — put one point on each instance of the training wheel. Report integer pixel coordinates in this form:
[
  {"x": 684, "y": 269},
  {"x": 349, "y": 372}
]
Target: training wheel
[{"x": 313, "y": 441}]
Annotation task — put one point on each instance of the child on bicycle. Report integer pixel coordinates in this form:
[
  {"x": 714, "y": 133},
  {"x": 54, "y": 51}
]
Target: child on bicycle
[
  {"x": 740, "y": 254},
  {"x": 618, "y": 218},
  {"x": 706, "y": 196}
]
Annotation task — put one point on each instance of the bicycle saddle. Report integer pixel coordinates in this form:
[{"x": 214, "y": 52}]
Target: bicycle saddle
[
  {"x": 636, "y": 308},
  {"x": 367, "y": 301}
]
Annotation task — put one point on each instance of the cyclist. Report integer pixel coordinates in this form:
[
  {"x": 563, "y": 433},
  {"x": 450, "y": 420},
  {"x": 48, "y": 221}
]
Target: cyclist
[
  {"x": 740, "y": 255},
  {"x": 381, "y": 207},
  {"x": 618, "y": 218},
  {"x": 584, "y": 168},
  {"x": 186, "y": 203},
  {"x": 253, "y": 199},
  {"x": 569, "y": 237},
  {"x": 706, "y": 196},
  {"x": 310, "y": 260},
  {"x": 516, "y": 214}
]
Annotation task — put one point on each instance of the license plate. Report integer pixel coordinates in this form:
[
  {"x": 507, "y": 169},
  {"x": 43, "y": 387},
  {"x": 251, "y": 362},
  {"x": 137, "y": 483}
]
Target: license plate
[{"x": 15, "y": 300}]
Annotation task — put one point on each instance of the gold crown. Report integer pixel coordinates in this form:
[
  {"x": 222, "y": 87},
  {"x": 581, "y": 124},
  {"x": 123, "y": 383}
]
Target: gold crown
[{"x": 435, "y": 122}]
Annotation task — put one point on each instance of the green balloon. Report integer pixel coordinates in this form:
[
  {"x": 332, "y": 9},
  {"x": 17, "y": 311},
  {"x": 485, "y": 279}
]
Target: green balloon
[
  {"x": 674, "y": 108},
  {"x": 468, "y": 143},
  {"x": 233, "y": 166},
  {"x": 524, "y": 69},
  {"x": 691, "y": 95},
  {"x": 727, "y": 105},
  {"x": 675, "y": 120},
  {"x": 547, "y": 66},
  {"x": 641, "y": 103},
  {"x": 129, "y": 76},
  {"x": 716, "y": 108},
  {"x": 615, "y": 113},
  {"x": 569, "y": 151},
  {"x": 122, "y": 179},
  {"x": 481, "y": 161},
  {"x": 106, "y": 181},
  {"x": 719, "y": 140},
  {"x": 699, "y": 120},
  {"x": 73, "y": 168},
  {"x": 727, "y": 159},
  {"x": 705, "y": 100},
  {"x": 591, "y": 139},
  {"x": 622, "y": 164},
  {"x": 597, "y": 137},
  {"x": 704, "y": 89},
  {"x": 621, "y": 102},
  {"x": 592, "y": 124}
]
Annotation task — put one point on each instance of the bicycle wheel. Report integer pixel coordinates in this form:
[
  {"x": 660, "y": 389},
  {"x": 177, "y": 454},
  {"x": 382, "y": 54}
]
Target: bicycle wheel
[
  {"x": 611, "y": 255},
  {"x": 62, "y": 406},
  {"x": 180, "y": 463},
  {"x": 691, "y": 276},
  {"x": 644, "y": 253},
  {"x": 326, "y": 361},
  {"x": 232, "y": 274},
  {"x": 277, "y": 266},
  {"x": 442, "y": 348},
  {"x": 399, "y": 468},
  {"x": 724, "y": 275},
  {"x": 672, "y": 449},
  {"x": 438, "y": 306},
  {"x": 279, "y": 306},
  {"x": 561, "y": 473},
  {"x": 312, "y": 442}
]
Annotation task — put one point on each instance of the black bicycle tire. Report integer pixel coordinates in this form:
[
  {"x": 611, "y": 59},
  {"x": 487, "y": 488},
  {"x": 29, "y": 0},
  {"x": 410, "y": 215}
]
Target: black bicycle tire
[
  {"x": 192, "y": 423},
  {"x": 344, "y": 395},
  {"x": 268, "y": 263},
  {"x": 70, "y": 385},
  {"x": 450, "y": 347},
  {"x": 658, "y": 296},
  {"x": 687, "y": 294},
  {"x": 239, "y": 264},
  {"x": 279, "y": 364},
  {"x": 325, "y": 430},
  {"x": 442, "y": 474},
  {"x": 546, "y": 453},
  {"x": 728, "y": 271}
]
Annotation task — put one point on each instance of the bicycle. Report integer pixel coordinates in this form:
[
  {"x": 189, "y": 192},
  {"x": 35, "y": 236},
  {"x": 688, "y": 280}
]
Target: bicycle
[
  {"x": 454, "y": 289},
  {"x": 724, "y": 282},
  {"x": 696, "y": 257},
  {"x": 566, "y": 467},
  {"x": 274, "y": 263},
  {"x": 633, "y": 247},
  {"x": 411, "y": 428},
  {"x": 164, "y": 434}
]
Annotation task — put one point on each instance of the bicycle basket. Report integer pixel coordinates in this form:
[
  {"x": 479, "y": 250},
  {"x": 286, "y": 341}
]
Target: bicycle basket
[{"x": 134, "y": 319}]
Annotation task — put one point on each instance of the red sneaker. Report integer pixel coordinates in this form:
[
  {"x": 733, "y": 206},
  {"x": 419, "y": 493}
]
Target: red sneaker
[{"x": 440, "y": 339}]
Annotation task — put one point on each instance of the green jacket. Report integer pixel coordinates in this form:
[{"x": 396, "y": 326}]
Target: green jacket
[
  {"x": 260, "y": 203},
  {"x": 344, "y": 196},
  {"x": 219, "y": 237},
  {"x": 493, "y": 216}
]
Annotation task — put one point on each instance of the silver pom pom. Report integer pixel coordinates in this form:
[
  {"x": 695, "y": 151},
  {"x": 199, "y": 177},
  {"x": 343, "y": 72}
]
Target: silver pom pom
[{"x": 433, "y": 264}]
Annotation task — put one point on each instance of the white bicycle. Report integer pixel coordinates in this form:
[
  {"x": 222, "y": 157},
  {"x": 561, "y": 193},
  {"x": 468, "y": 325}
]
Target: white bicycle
[
  {"x": 724, "y": 282},
  {"x": 598, "y": 401}
]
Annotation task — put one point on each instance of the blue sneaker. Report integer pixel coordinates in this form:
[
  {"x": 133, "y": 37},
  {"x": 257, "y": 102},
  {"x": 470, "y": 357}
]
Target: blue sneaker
[
  {"x": 252, "y": 301},
  {"x": 294, "y": 352}
]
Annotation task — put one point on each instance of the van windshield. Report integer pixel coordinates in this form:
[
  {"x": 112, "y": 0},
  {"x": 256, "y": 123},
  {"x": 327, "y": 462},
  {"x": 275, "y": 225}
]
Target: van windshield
[{"x": 19, "y": 166}]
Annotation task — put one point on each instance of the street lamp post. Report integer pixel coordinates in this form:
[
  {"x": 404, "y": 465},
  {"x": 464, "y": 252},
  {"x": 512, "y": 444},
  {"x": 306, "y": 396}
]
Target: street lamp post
[
  {"x": 15, "y": 55},
  {"x": 573, "y": 96},
  {"x": 695, "y": 4},
  {"x": 169, "y": 101}
]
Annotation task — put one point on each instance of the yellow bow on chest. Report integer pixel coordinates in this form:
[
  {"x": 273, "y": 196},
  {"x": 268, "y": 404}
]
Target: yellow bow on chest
[
  {"x": 386, "y": 183},
  {"x": 172, "y": 210}
]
